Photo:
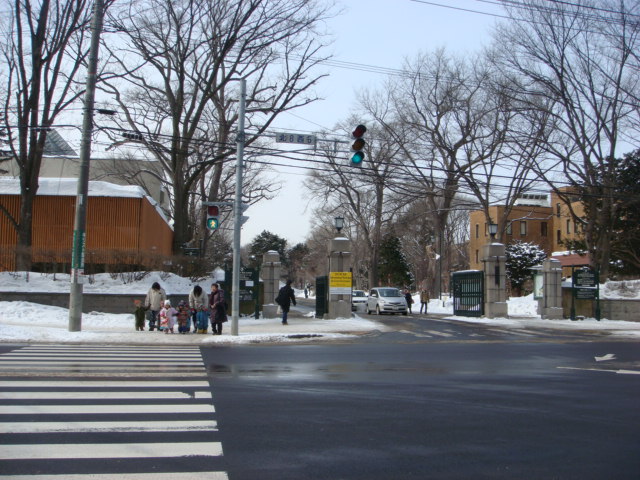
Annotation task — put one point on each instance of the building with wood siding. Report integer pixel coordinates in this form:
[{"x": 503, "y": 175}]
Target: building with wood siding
[{"x": 124, "y": 226}]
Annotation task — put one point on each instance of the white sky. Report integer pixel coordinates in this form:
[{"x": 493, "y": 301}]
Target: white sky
[{"x": 378, "y": 33}]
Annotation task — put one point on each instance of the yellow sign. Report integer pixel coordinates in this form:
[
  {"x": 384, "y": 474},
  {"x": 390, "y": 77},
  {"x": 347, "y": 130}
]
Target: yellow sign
[{"x": 340, "y": 283}]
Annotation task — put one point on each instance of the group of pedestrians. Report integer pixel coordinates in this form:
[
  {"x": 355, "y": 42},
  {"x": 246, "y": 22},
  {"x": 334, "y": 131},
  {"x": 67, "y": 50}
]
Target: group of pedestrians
[
  {"x": 424, "y": 300},
  {"x": 200, "y": 310}
]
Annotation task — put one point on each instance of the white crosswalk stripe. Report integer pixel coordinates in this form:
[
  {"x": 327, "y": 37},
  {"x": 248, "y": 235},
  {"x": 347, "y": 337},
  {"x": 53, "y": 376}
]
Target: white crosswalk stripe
[{"x": 125, "y": 425}]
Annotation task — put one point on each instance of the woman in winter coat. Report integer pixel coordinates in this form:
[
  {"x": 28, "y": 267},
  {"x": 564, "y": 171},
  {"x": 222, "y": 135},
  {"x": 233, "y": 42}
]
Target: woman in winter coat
[
  {"x": 154, "y": 301},
  {"x": 197, "y": 299},
  {"x": 218, "y": 306}
]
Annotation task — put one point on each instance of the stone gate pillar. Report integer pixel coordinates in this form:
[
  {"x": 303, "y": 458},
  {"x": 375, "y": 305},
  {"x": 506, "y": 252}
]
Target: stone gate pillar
[
  {"x": 270, "y": 273},
  {"x": 550, "y": 305},
  {"x": 495, "y": 276},
  {"x": 339, "y": 261}
]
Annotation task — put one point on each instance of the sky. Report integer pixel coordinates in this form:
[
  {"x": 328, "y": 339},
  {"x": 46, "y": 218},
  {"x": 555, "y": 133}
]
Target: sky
[{"x": 378, "y": 33}]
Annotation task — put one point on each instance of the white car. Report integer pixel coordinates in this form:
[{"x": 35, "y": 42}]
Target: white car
[
  {"x": 358, "y": 297},
  {"x": 386, "y": 300}
]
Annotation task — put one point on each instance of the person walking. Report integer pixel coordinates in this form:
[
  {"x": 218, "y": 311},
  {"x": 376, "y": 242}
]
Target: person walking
[
  {"x": 197, "y": 299},
  {"x": 424, "y": 300},
  {"x": 154, "y": 301},
  {"x": 285, "y": 298},
  {"x": 218, "y": 307}
]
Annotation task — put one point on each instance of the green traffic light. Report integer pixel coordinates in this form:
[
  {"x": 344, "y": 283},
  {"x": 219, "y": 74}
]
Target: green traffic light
[
  {"x": 357, "y": 158},
  {"x": 213, "y": 223}
]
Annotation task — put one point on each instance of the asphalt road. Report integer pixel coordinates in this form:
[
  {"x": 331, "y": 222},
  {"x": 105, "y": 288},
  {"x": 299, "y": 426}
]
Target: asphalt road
[{"x": 443, "y": 410}]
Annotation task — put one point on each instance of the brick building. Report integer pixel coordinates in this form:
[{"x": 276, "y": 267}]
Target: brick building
[{"x": 541, "y": 219}]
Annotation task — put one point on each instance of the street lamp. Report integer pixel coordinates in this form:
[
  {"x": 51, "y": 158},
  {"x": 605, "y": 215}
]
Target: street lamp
[
  {"x": 338, "y": 222},
  {"x": 493, "y": 229}
]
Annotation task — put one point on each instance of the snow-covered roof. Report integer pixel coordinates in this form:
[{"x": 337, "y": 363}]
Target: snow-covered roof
[{"x": 69, "y": 187}]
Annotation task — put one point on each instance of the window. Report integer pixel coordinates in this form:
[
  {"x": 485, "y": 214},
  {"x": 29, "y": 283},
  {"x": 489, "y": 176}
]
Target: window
[
  {"x": 543, "y": 229},
  {"x": 486, "y": 230},
  {"x": 477, "y": 256},
  {"x": 557, "y": 209},
  {"x": 568, "y": 227},
  {"x": 509, "y": 229},
  {"x": 477, "y": 231},
  {"x": 523, "y": 228},
  {"x": 558, "y": 237}
]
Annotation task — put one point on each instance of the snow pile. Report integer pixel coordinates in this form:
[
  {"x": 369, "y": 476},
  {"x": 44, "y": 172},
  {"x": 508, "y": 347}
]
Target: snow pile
[
  {"x": 104, "y": 283},
  {"x": 627, "y": 289},
  {"x": 31, "y": 322}
]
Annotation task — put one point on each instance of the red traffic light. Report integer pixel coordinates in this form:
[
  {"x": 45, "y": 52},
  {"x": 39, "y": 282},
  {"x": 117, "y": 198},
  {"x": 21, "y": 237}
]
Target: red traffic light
[
  {"x": 212, "y": 210},
  {"x": 359, "y": 131}
]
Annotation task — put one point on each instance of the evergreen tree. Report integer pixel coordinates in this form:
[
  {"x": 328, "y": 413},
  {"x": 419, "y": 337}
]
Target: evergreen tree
[
  {"x": 393, "y": 267},
  {"x": 625, "y": 244},
  {"x": 269, "y": 241},
  {"x": 521, "y": 256}
]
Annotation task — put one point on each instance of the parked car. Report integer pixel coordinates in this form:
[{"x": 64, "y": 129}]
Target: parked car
[
  {"x": 386, "y": 300},
  {"x": 358, "y": 297}
]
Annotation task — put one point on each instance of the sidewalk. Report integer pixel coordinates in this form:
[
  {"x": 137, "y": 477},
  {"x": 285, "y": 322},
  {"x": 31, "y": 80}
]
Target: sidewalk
[
  {"x": 33, "y": 323},
  {"x": 24, "y": 322}
]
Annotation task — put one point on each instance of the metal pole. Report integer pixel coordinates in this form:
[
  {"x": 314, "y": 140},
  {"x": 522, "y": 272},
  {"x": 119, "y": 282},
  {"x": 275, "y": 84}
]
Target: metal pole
[
  {"x": 440, "y": 267},
  {"x": 237, "y": 212},
  {"x": 79, "y": 234}
]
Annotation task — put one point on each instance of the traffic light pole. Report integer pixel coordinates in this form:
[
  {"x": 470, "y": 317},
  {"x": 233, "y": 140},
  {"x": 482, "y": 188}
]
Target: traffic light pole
[
  {"x": 237, "y": 212},
  {"x": 82, "y": 199}
]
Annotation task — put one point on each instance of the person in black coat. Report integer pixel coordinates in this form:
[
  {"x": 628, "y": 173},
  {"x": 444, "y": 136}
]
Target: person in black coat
[
  {"x": 218, "y": 307},
  {"x": 285, "y": 298}
]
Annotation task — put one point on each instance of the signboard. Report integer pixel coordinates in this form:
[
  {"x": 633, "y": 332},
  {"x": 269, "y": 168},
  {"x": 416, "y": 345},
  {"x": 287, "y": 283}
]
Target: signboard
[
  {"x": 282, "y": 137},
  {"x": 340, "y": 283},
  {"x": 584, "y": 278},
  {"x": 538, "y": 286},
  {"x": 585, "y": 293}
]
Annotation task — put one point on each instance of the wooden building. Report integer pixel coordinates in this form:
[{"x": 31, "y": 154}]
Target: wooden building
[{"x": 124, "y": 226}]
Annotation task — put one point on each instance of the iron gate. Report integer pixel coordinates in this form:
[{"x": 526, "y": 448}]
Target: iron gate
[
  {"x": 468, "y": 293},
  {"x": 322, "y": 296}
]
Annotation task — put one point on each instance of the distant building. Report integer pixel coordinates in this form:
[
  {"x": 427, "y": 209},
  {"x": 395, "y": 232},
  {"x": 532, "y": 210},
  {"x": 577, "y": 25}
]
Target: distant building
[
  {"x": 124, "y": 225},
  {"x": 535, "y": 218},
  {"x": 60, "y": 160}
]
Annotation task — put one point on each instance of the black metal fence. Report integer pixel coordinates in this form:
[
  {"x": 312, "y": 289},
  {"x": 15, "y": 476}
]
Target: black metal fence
[{"x": 468, "y": 293}]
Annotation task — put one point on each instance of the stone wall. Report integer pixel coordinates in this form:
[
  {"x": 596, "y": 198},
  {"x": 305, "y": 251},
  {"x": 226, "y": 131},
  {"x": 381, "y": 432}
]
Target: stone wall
[{"x": 618, "y": 309}]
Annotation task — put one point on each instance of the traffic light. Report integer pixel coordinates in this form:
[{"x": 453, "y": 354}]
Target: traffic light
[
  {"x": 213, "y": 222},
  {"x": 358, "y": 146}
]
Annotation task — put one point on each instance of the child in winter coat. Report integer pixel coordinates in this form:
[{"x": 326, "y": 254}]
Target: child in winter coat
[
  {"x": 202, "y": 319},
  {"x": 168, "y": 317},
  {"x": 139, "y": 314},
  {"x": 183, "y": 317}
]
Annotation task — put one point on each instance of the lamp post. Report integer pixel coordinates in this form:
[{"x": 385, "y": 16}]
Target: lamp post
[
  {"x": 493, "y": 229},
  {"x": 338, "y": 222}
]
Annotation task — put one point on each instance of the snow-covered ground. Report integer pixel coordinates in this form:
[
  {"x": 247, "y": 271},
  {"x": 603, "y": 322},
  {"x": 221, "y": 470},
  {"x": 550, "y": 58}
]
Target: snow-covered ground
[{"x": 30, "y": 322}]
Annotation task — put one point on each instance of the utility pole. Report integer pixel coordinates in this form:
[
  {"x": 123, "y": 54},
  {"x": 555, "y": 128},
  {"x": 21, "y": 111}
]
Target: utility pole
[
  {"x": 237, "y": 211},
  {"x": 79, "y": 229}
]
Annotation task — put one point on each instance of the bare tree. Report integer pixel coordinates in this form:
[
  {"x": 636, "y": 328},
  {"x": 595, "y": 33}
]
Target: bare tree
[
  {"x": 452, "y": 120},
  {"x": 44, "y": 45},
  {"x": 579, "y": 57},
  {"x": 362, "y": 196},
  {"x": 179, "y": 71}
]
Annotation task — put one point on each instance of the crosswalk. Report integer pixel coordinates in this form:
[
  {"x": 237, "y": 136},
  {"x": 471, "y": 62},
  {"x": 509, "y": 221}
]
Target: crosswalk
[{"x": 93, "y": 412}]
